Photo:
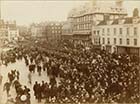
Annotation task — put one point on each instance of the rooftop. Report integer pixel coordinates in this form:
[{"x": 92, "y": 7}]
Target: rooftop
[
  {"x": 103, "y": 7},
  {"x": 127, "y": 20}
]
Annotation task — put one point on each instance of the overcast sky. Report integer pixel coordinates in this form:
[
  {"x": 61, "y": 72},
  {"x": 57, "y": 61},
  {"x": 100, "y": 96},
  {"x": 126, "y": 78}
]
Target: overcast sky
[{"x": 26, "y": 12}]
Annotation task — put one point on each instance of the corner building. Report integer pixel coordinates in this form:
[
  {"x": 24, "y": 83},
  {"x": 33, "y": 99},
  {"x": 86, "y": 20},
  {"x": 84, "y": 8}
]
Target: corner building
[
  {"x": 120, "y": 35},
  {"x": 84, "y": 17}
]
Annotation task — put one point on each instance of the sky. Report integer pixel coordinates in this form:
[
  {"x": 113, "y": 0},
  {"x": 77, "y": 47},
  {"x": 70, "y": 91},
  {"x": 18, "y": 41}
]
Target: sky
[{"x": 28, "y": 11}]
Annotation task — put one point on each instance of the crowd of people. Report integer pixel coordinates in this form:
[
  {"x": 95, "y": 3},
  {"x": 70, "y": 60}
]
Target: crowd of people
[
  {"x": 22, "y": 92},
  {"x": 86, "y": 75}
]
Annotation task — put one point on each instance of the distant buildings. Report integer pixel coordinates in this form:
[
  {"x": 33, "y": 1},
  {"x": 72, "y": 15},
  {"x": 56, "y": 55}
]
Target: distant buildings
[
  {"x": 50, "y": 31},
  {"x": 66, "y": 31},
  {"x": 120, "y": 35},
  {"x": 106, "y": 26},
  {"x": 37, "y": 30},
  {"x": 24, "y": 32},
  {"x": 83, "y": 18},
  {"x": 53, "y": 30},
  {"x": 8, "y": 31}
]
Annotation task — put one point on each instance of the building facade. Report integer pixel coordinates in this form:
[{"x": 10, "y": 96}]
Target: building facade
[
  {"x": 66, "y": 31},
  {"x": 47, "y": 31},
  {"x": 37, "y": 30},
  {"x": 13, "y": 32},
  {"x": 120, "y": 35},
  {"x": 84, "y": 17},
  {"x": 8, "y": 31},
  {"x": 53, "y": 31}
]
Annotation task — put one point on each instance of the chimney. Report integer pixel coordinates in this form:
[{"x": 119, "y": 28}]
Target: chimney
[
  {"x": 119, "y": 3},
  {"x": 136, "y": 12}
]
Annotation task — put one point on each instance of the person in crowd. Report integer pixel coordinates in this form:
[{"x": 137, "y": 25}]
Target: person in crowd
[
  {"x": 6, "y": 87},
  {"x": 26, "y": 60},
  {"x": 39, "y": 69},
  {"x": 43, "y": 89},
  {"x": 30, "y": 77},
  {"x": 17, "y": 74},
  {"x": 26, "y": 90},
  {"x": 86, "y": 75},
  {"x": 32, "y": 67},
  {"x": 39, "y": 93},
  {"x": 1, "y": 77},
  {"x": 24, "y": 96},
  {"x": 35, "y": 88}
]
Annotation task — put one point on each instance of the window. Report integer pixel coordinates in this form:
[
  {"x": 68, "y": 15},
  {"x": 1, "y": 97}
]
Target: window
[
  {"x": 94, "y": 32},
  {"x": 135, "y": 41},
  {"x": 114, "y": 31},
  {"x": 83, "y": 26},
  {"x": 135, "y": 30},
  {"x": 120, "y": 40},
  {"x": 99, "y": 41},
  {"x": 127, "y": 31},
  {"x": 108, "y": 40},
  {"x": 103, "y": 31},
  {"x": 127, "y": 41},
  {"x": 84, "y": 18},
  {"x": 98, "y": 32},
  {"x": 120, "y": 30},
  {"x": 103, "y": 40},
  {"x": 87, "y": 26},
  {"x": 115, "y": 41},
  {"x": 90, "y": 17},
  {"x": 108, "y": 31}
]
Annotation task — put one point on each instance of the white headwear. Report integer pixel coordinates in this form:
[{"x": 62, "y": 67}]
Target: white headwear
[{"x": 23, "y": 98}]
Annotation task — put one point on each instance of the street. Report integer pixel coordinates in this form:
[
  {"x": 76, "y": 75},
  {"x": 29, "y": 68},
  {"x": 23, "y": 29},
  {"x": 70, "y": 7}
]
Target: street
[
  {"x": 76, "y": 52},
  {"x": 23, "y": 69}
]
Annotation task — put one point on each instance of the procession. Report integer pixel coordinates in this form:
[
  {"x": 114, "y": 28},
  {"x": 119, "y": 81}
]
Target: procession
[
  {"x": 74, "y": 76},
  {"x": 70, "y": 52}
]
